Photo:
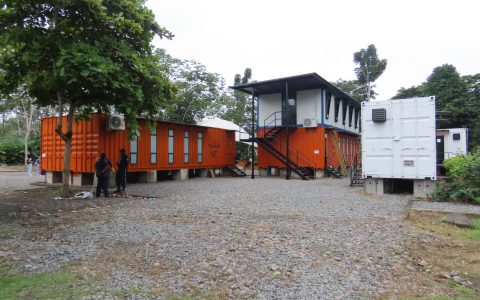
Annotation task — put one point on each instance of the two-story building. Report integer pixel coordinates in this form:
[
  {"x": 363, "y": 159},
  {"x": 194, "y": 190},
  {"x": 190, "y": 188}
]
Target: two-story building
[{"x": 304, "y": 125}]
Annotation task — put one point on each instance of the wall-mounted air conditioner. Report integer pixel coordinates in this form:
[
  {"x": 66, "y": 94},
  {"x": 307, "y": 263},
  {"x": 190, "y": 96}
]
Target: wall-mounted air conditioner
[
  {"x": 115, "y": 122},
  {"x": 310, "y": 122}
]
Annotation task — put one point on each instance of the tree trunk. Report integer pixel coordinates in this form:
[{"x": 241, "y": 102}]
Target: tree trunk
[
  {"x": 67, "y": 138},
  {"x": 28, "y": 127}
]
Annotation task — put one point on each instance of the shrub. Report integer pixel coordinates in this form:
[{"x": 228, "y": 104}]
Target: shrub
[
  {"x": 464, "y": 182},
  {"x": 12, "y": 151}
]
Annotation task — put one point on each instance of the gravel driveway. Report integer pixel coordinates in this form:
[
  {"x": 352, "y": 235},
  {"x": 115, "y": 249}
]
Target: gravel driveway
[
  {"x": 267, "y": 238},
  {"x": 18, "y": 180}
]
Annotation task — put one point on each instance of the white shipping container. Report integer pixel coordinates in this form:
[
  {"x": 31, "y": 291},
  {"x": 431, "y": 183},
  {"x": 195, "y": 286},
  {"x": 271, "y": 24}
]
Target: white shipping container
[
  {"x": 399, "y": 139},
  {"x": 452, "y": 142}
]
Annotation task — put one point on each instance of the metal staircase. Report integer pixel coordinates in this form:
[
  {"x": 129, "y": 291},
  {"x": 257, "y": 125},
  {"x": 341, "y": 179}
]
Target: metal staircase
[
  {"x": 274, "y": 144},
  {"x": 236, "y": 171},
  {"x": 356, "y": 178}
]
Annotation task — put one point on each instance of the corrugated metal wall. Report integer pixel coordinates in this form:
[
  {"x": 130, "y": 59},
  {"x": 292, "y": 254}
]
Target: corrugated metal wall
[
  {"x": 312, "y": 143},
  {"x": 90, "y": 138}
]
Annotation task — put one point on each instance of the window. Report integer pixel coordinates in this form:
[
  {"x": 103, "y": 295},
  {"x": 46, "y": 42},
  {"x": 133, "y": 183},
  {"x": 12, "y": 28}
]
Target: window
[
  {"x": 170, "y": 146},
  {"x": 350, "y": 114},
  {"x": 133, "y": 150},
  {"x": 344, "y": 112},
  {"x": 153, "y": 147},
  {"x": 200, "y": 147},
  {"x": 328, "y": 99},
  {"x": 186, "y": 147},
  {"x": 337, "y": 108},
  {"x": 356, "y": 118}
]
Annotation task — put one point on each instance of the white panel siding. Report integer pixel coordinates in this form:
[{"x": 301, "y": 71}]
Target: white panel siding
[
  {"x": 267, "y": 104},
  {"x": 308, "y": 105}
]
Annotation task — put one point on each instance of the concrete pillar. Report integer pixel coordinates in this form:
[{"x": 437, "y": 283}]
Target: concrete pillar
[
  {"x": 111, "y": 181},
  {"x": 373, "y": 186},
  {"x": 422, "y": 187},
  {"x": 53, "y": 177},
  {"x": 151, "y": 176},
  {"x": 77, "y": 179},
  {"x": 274, "y": 171},
  {"x": 319, "y": 174},
  {"x": 181, "y": 174}
]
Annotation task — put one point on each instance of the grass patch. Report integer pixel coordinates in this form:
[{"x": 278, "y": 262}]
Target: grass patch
[
  {"x": 60, "y": 284},
  {"x": 474, "y": 234}
]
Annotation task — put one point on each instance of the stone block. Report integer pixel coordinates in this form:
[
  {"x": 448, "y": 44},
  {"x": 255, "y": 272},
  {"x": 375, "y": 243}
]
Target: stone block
[
  {"x": 53, "y": 177},
  {"x": 373, "y": 186},
  {"x": 422, "y": 187}
]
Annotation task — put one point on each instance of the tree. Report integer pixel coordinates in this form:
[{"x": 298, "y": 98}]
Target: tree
[
  {"x": 200, "y": 94},
  {"x": 456, "y": 94},
  {"x": 350, "y": 87},
  {"x": 239, "y": 108},
  {"x": 22, "y": 105},
  {"x": 369, "y": 68},
  {"x": 411, "y": 92},
  {"x": 82, "y": 57}
]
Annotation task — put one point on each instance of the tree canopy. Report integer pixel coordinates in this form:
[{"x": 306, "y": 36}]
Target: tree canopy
[
  {"x": 456, "y": 94},
  {"x": 84, "y": 56},
  {"x": 369, "y": 68},
  {"x": 200, "y": 93}
]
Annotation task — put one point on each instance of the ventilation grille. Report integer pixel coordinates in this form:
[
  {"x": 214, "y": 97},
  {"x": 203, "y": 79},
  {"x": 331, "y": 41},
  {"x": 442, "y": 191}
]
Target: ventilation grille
[{"x": 379, "y": 115}]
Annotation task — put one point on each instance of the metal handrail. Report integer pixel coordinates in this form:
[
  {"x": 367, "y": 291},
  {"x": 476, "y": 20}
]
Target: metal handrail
[
  {"x": 296, "y": 153},
  {"x": 274, "y": 114}
]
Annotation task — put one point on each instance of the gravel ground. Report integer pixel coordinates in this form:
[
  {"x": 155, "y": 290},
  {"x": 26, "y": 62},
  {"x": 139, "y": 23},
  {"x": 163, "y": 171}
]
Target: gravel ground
[
  {"x": 447, "y": 207},
  {"x": 266, "y": 239},
  {"x": 18, "y": 180}
]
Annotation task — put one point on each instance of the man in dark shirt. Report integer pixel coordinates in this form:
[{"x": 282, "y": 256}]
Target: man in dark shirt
[
  {"x": 122, "y": 166},
  {"x": 102, "y": 170}
]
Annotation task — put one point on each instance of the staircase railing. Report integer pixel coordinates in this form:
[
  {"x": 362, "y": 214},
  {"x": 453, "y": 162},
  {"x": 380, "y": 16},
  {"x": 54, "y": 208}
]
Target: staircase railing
[
  {"x": 273, "y": 120},
  {"x": 295, "y": 155}
]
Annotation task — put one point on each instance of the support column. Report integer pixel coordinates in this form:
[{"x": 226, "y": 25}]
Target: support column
[
  {"x": 77, "y": 179},
  {"x": 181, "y": 174},
  {"x": 287, "y": 123},
  {"x": 253, "y": 136},
  {"x": 422, "y": 187},
  {"x": 53, "y": 177}
]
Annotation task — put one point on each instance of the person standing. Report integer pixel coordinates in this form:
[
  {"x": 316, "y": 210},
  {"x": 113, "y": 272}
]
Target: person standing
[
  {"x": 29, "y": 164},
  {"x": 121, "y": 176},
  {"x": 102, "y": 170},
  {"x": 38, "y": 166}
]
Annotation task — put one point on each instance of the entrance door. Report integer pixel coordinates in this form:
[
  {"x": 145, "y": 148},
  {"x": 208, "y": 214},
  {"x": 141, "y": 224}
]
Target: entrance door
[
  {"x": 440, "y": 149},
  {"x": 289, "y": 109}
]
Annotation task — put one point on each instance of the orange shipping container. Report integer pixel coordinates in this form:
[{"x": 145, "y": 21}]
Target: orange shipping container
[{"x": 194, "y": 147}]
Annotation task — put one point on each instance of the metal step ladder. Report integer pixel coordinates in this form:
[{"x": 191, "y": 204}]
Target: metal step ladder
[
  {"x": 236, "y": 171},
  {"x": 341, "y": 158},
  {"x": 356, "y": 178}
]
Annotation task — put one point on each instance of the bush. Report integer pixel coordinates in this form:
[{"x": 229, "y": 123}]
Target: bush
[
  {"x": 12, "y": 151},
  {"x": 464, "y": 182}
]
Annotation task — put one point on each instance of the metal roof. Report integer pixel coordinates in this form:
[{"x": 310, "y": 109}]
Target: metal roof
[{"x": 297, "y": 83}]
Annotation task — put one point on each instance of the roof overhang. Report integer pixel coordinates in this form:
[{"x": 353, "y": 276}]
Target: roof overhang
[{"x": 308, "y": 81}]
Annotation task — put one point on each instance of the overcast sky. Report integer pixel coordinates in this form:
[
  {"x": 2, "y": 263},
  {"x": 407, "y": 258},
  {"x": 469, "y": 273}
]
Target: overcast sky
[{"x": 284, "y": 38}]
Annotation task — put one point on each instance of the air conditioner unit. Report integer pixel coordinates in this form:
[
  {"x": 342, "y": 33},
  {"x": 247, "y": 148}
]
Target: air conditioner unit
[
  {"x": 310, "y": 122},
  {"x": 115, "y": 122}
]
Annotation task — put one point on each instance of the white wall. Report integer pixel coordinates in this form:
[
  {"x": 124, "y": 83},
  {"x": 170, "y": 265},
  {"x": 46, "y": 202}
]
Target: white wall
[
  {"x": 309, "y": 105},
  {"x": 455, "y": 147},
  {"x": 267, "y": 104}
]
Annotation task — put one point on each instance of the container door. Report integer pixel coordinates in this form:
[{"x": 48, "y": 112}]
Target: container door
[{"x": 440, "y": 149}]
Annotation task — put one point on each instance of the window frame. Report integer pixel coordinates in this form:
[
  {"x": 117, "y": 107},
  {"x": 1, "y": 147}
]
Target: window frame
[
  {"x": 186, "y": 147},
  {"x": 200, "y": 147},
  {"x": 134, "y": 154},
  {"x": 153, "y": 135},
  {"x": 171, "y": 145}
]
